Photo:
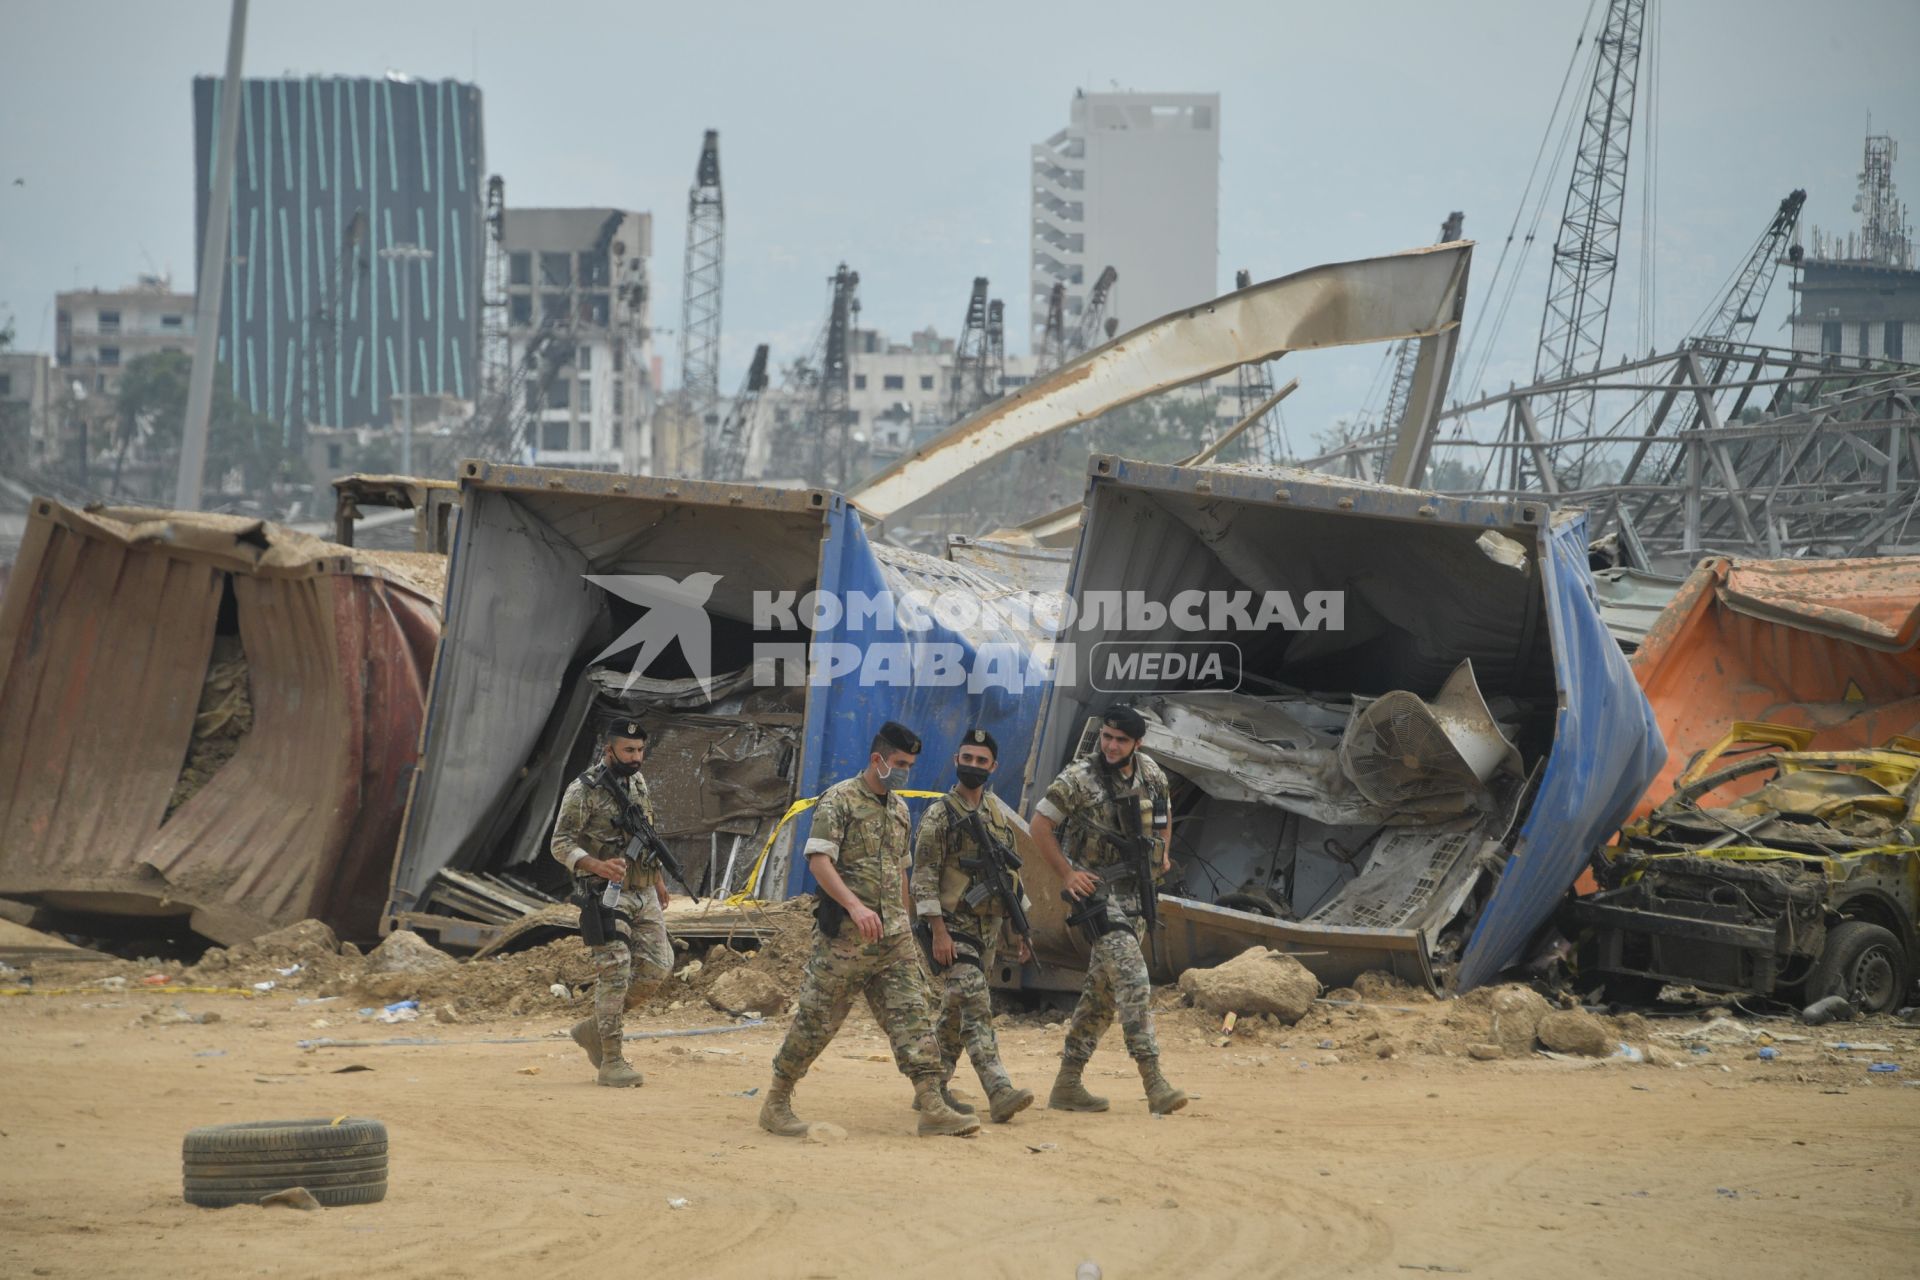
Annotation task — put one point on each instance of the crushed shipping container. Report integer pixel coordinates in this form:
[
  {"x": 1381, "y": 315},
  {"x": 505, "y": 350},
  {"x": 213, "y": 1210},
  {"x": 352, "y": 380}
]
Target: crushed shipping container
[
  {"x": 207, "y": 717},
  {"x": 550, "y": 569},
  {"x": 1310, "y": 814}
]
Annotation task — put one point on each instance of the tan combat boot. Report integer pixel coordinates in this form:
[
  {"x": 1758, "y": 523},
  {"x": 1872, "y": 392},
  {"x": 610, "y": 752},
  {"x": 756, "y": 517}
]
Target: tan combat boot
[
  {"x": 953, "y": 1103},
  {"x": 1162, "y": 1098},
  {"x": 1007, "y": 1102},
  {"x": 587, "y": 1036},
  {"x": 776, "y": 1113},
  {"x": 1069, "y": 1094},
  {"x": 937, "y": 1120},
  {"x": 615, "y": 1071}
]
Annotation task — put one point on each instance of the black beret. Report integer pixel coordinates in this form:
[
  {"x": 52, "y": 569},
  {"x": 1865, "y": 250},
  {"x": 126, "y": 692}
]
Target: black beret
[
  {"x": 899, "y": 737},
  {"x": 627, "y": 727},
  {"x": 981, "y": 738},
  {"x": 1126, "y": 720}
]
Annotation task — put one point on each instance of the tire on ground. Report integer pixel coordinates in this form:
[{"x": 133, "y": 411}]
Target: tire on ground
[
  {"x": 342, "y": 1162},
  {"x": 1866, "y": 964}
]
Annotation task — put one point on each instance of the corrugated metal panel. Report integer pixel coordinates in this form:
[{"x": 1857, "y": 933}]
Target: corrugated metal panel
[
  {"x": 107, "y": 642},
  {"x": 1630, "y": 600},
  {"x": 1713, "y": 657},
  {"x": 1606, "y": 747}
]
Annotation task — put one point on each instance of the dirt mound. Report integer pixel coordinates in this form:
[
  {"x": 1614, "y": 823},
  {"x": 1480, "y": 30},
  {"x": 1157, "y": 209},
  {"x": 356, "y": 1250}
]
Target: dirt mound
[
  {"x": 404, "y": 951},
  {"x": 1379, "y": 987},
  {"x": 1515, "y": 1014}
]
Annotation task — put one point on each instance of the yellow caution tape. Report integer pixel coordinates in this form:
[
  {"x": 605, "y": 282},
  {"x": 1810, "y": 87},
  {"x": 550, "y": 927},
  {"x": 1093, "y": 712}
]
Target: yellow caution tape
[
  {"x": 745, "y": 897},
  {"x": 1761, "y": 853}
]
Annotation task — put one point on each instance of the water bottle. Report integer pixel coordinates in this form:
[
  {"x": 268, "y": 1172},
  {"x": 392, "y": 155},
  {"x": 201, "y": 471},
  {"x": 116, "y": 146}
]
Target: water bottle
[{"x": 610, "y": 896}]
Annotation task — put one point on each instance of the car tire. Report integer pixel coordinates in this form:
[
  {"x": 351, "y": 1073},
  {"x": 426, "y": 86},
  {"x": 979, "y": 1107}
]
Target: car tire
[
  {"x": 341, "y": 1161},
  {"x": 1866, "y": 964}
]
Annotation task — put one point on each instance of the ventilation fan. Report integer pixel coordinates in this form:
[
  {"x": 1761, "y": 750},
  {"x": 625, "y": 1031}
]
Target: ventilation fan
[{"x": 1402, "y": 750}]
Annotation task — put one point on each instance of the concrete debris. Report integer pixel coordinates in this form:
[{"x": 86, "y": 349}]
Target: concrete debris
[
  {"x": 1515, "y": 1016},
  {"x": 746, "y": 991},
  {"x": 1485, "y": 1052},
  {"x": 405, "y": 951},
  {"x": 1575, "y": 1031},
  {"x": 1257, "y": 981}
]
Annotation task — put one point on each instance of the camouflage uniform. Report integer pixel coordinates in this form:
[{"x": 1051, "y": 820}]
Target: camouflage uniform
[
  {"x": 939, "y": 889},
  {"x": 866, "y": 836},
  {"x": 630, "y": 967},
  {"x": 1081, "y": 802}
]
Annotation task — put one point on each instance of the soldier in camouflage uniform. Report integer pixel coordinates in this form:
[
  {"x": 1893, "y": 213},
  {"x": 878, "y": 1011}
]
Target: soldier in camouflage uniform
[
  {"x": 1084, "y": 805},
  {"x": 858, "y": 851},
  {"x": 962, "y": 940},
  {"x": 637, "y": 956}
]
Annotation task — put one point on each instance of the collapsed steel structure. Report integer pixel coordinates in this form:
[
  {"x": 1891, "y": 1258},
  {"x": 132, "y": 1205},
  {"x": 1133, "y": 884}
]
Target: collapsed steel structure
[{"x": 1717, "y": 447}]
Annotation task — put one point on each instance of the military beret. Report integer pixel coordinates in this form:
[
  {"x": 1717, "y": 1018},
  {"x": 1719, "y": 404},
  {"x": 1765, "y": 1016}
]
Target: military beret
[
  {"x": 899, "y": 737},
  {"x": 627, "y": 727},
  {"x": 981, "y": 738},
  {"x": 1126, "y": 720}
]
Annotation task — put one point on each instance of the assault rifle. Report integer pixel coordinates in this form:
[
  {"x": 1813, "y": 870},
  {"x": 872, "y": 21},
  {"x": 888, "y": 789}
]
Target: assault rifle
[
  {"x": 1142, "y": 850},
  {"x": 643, "y": 842},
  {"x": 992, "y": 871}
]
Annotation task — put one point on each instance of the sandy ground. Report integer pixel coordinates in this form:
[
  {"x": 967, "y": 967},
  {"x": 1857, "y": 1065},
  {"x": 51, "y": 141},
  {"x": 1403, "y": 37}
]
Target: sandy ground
[{"x": 1286, "y": 1163}]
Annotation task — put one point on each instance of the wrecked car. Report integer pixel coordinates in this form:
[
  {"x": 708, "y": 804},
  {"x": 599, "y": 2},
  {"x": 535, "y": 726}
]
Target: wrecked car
[
  {"x": 1771, "y": 869},
  {"x": 1408, "y": 780}
]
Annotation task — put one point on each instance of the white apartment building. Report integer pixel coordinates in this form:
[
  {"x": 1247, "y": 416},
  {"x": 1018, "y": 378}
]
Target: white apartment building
[
  {"x": 1132, "y": 182},
  {"x": 98, "y": 332},
  {"x": 26, "y": 383},
  {"x": 898, "y": 394},
  {"x": 577, "y": 284}
]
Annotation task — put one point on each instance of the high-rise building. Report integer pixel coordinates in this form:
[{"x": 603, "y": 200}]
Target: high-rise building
[
  {"x": 578, "y": 326},
  {"x": 330, "y": 173},
  {"x": 1133, "y": 183}
]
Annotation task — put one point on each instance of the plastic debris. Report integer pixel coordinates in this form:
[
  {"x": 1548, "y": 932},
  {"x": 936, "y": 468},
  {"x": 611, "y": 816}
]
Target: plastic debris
[
  {"x": 292, "y": 1198},
  {"x": 1627, "y": 1053},
  {"x": 678, "y": 1202},
  {"x": 290, "y": 970},
  {"x": 1768, "y": 1053},
  {"x": 263, "y": 986},
  {"x": 400, "y": 1011},
  {"x": 1885, "y": 1068},
  {"x": 1088, "y": 1270},
  {"x": 559, "y": 991}
]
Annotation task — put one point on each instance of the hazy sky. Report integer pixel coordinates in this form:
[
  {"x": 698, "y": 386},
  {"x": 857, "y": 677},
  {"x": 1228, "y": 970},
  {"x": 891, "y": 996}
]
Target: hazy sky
[{"x": 895, "y": 136}]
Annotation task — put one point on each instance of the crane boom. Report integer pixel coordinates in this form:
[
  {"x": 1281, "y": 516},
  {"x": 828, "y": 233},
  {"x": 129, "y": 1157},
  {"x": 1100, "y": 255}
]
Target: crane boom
[
  {"x": 729, "y": 460},
  {"x": 1734, "y": 319}
]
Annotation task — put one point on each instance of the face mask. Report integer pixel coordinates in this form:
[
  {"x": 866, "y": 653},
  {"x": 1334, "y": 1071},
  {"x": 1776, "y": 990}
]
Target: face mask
[
  {"x": 622, "y": 768},
  {"x": 970, "y": 775},
  {"x": 886, "y": 776}
]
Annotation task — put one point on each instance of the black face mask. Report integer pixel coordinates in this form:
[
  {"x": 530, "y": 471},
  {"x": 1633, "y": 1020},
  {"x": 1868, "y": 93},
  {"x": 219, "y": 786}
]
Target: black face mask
[
  {"x": 971, "y": 775},
  {"x": 622, "y": 768}
]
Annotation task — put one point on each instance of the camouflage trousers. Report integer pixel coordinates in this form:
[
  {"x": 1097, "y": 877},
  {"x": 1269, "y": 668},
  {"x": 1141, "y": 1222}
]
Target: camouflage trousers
[
  {"x": 631, "y": 967},
  {"x": 1117, "y": 984},
  {"x": 887, "y": 974},
  {"x": 964, "y": 1014}
]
